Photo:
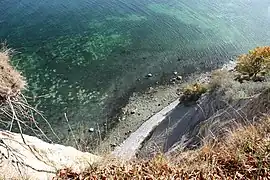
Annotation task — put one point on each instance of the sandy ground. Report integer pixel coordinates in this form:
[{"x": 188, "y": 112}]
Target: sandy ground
[{"x": 140, "y": 108}]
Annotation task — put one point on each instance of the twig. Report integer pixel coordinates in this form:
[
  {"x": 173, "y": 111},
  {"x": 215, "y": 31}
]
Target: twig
[{"x": 76, "y": 143}]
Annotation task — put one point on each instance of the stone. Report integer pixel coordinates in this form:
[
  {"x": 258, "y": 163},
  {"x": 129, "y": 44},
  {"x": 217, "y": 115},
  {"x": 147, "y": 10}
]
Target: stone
[
  {"x": 258, "y": 78},
  {"x": 113, "y": 145},
  {"x": 175, "y": 73},
  {"x": 173, "y": 79},
  {"x": 245, "y": 77},
  {"x": 149, "y": 75},
  {"x": 91, "y": 129},
  {"x": 179, "y": 78},
  {"x": 237, "y": 77},
  {"x": 127, "y": 133}
]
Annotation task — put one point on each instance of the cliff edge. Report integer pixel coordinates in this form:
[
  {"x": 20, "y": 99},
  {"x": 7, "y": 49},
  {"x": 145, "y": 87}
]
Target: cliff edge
[{"x": 23, "y": 156}]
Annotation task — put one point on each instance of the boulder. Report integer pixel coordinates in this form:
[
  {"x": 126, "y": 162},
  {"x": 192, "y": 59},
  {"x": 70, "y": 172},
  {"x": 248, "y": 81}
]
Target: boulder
[{"x": 35, "y": 159}]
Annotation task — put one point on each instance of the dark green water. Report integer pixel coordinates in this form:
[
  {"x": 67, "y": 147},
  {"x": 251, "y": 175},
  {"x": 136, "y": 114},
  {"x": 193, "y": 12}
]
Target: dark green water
[{"x": 77, "y": 54}]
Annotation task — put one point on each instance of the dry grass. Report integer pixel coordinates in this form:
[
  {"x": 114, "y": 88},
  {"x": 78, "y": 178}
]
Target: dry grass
[
  {"x": 11, "y": 81},
  {"x": 243, "y": 154},
  {"x": 256, "y": 61},
  {"x": 193, "y": 92},
  {"x": 15, "y": 112}
]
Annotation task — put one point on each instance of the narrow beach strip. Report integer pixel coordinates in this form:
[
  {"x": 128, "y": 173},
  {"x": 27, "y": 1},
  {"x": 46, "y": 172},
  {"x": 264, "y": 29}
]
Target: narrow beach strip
[{"x": 127, "y": 150}]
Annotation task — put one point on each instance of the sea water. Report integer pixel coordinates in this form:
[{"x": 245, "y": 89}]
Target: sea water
[{"x": 81, "y": 56}]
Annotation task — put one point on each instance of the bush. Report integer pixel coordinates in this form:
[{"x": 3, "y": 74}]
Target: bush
[
  {"x": 256, "y": 61},
  {"x": 192, "y": 93}
]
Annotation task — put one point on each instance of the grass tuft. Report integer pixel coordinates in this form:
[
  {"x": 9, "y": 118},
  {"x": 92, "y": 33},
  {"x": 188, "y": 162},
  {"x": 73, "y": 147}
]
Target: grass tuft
[
  {"x": 191, "y": 93},
  {"x": 11, "y": 81}
]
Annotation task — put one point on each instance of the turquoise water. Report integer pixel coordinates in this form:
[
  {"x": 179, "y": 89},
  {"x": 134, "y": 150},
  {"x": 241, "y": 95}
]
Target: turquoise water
[{"x": 80, "y": 55}]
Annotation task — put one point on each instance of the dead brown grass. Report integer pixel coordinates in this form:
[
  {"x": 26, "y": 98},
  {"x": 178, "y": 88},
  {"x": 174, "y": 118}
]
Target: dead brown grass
[
  {"x": 11, "y": 81},
  {"x": 192, "y": 92},
  {"x": 243, "y": 154},
  {"x": 256, "y": 61}
]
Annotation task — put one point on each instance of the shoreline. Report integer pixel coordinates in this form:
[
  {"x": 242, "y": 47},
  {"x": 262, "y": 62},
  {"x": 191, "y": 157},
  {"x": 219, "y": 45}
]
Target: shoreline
[
  {"x": 142, "y": 106},
  {"x": 126, "y": 110},
  {"x": 139, "y": 108}
]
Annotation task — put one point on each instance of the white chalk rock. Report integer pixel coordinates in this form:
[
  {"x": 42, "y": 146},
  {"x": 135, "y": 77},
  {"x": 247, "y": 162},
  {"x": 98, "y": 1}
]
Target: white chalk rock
[{"x": 37, "y": 159}]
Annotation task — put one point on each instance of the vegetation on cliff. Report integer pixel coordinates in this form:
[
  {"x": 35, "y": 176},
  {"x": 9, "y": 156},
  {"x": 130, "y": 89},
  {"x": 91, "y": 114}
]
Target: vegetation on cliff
[
  {"x": 241, "y": 153},
  {"x": 11, "y": 81},
  {"x": 192, "y": 93},
  {"x": 255, "y": 64},
  {"x": 16, "y": 115}
]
